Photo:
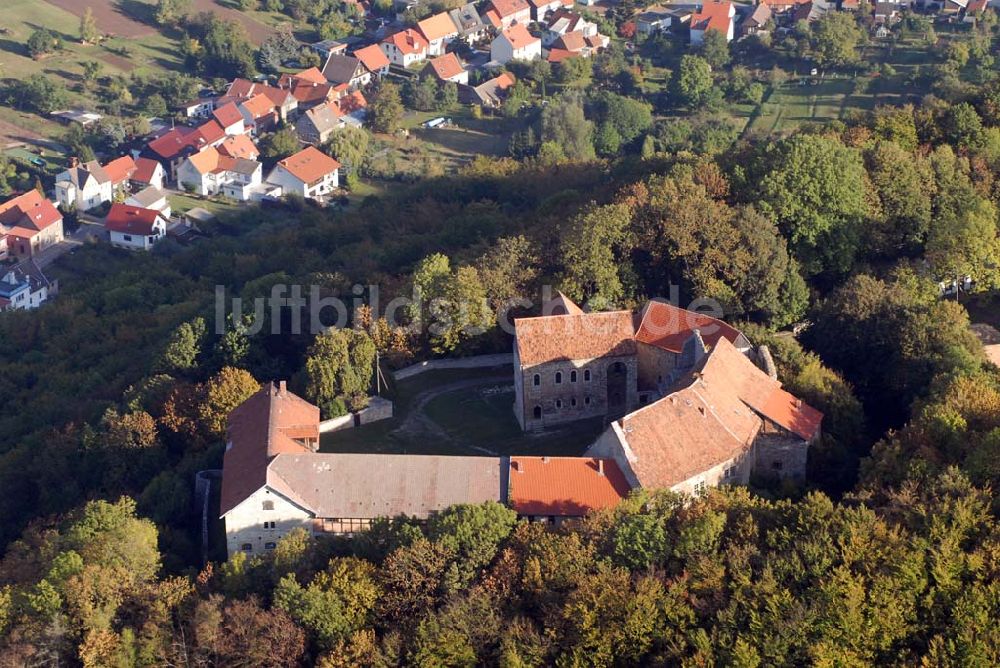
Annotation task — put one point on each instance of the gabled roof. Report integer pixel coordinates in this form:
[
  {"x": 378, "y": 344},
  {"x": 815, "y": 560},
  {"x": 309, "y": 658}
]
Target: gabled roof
[
  {"x": 309, "y": 165},
  {"x": 505, "y": 8},
  {"x": 146, "y": 197},
  {"x": 518, "y": 36},
  {"x": 28, "y": 214},
  {"x": 174, "y": 142},
  {"x": 210, "y": 132},
  {"x": 711, "y": 420},
  {"x": 571, "y": 41},
  {"x": 212, "y": 160},
  {"x": 349, "y": 103},
  {"x": 372, "y": 57},
  {"x": 262, "y": 427},
  {"x": 259, "y": 106},
  {"x": 128, "y": 219},
  {"x": 574, "y": 337},
  {"x": 447, "y": 66},
  {"x": 407, "y": 41},
  {"x": 239, "y": 146},
  {"x": 467, "y": 19},
  {"x": 120, "y": 169},
  {"x": 324, "y": 117},
  {"x": 144, "y": 170},
  {"x": 561, "y": 305},
  {"x": 761, "y": 14},
  {"x": 437, "y": 26},
  {"x": 713, "y": 15},
  {"x": 565, "y": 486},
  {"x": 312, "y": 75},
  {"x": 377, "y": 485},
  {"x": 666, "y": 326},
  {"x": 228, "y": 114},
  {"x": 342, "y": 69}
]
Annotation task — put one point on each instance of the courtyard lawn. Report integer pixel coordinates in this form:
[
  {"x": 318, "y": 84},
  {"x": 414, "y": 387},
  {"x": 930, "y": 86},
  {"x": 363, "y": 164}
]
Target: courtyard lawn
[
  {"x": 433, "y": 416},
  {"x": 181, "y": 203}
]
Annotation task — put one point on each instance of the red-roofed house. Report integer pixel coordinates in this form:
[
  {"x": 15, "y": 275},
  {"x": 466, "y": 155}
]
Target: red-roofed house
[
  {"x": 30, "y": 224},
  {"x": 374, "y": 60},
  {"x": 133, "y": 227},
  {"x": 229, "y": 117},
  {"x": 405, "y": 47},
  {"x": 515, "y": 43},
  {"x": 148, "y": 172},
  {"x": 439, "y": 30},
  {"x": 447, "y": 68},
  {"x": 509, "y": 12},
  {"x": 211, "y": 172},
  {"x": 259, "y": 114},
  {"x": 713, "y": 15},
  {"x": 310, "y": 174}
]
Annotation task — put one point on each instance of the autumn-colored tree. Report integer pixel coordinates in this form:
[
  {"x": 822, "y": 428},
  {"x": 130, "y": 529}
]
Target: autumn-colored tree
[{"x": 222, "y": 393}]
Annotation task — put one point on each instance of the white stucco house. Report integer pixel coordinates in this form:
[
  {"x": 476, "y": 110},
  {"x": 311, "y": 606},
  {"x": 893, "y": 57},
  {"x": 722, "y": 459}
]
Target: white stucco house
[
  {"x": 515, "y": 43},
  {"x": 135, "y": 228},
  {"x": 310, "y": 174}
]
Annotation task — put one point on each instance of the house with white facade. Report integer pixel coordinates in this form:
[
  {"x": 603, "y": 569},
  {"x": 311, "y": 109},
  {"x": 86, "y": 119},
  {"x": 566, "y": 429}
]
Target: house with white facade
[
  {"x": 25, "y": 286},
  {"x": 310, "y": 174},
  {"x": 405, "y": 47},
  {"x": 151, "y": 198},
  {"x": 439, "y": 30},
  {"x": 88, "y": 185},
  {"x": 515, "y": 43},
  {"x": 133, "y": 227},
  {"x": 29, "y": 223},
  {"x": 713, "y": 15},
  {"x": 211, "y": 172}
]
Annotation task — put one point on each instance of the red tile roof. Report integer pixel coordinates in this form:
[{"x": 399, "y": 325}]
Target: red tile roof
[
  {"x": 438, "y": 26},
  {"x": 561, "y": 305},
  {"x": 565, "y": 486},
  {"x": 574, "y": 337},
  {"x": 349, "y": 103},
  {"x": 28, "y": 214},
  {"x": 120, "y": 169},
  {"x": 309, "y": 165},
  {"x": 258, "y": 429},
  {"x": 228, "y": 114},
  {"x": 666, "y": 326},
  {"x": 372, "y": 57},
  {"x": 446, "y": 66},
  {"x": 173, "y": 143},
  {"x": 408, "y": 41},
  {"x": 210, "y": 132},
  {"x": 259, "y": 106},
  {"x": 505, "y": 8},
  {"x": 312, "y": 75},
  {"x": 128, "y": 219},
  {"x": 713, "y": 15},
  {"x": 559, "y": 55},
  {"x": 519, "y": 37},
  {"x": 240, "y": 146},
  {"x": 144, "y": 170}
]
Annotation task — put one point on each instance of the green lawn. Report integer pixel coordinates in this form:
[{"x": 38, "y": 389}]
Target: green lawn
[
  {"x": 476, "y": 420},
  {"x": 181, "y": 203}
]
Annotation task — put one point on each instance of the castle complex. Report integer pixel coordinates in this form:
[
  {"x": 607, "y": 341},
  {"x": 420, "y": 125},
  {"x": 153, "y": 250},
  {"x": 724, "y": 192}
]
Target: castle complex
[{"x": 685, "y": 404}]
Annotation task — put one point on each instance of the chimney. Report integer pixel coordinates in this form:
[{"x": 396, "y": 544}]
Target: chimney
[
  {"x": 74, "y": 162},
  {"x": 798, "y": 403},
  {"x": 600, "y": 467},
  {"x": 545, "y": 459},
  {"x": 282, "y": 388}
]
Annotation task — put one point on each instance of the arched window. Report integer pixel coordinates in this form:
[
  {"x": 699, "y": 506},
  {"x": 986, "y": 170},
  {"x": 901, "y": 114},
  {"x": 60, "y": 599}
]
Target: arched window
[
  {"x": 558, "y": 377},
  {"x": 586, "y": 400},
  {"x": 537, "y": 380},
  {"x": 246, "y": 547},
  {"x": 558, "y": 403},
  {"x": 572, "y": 402},
  {"x": 572, "y": 376},
  {"x": 268, "y": 505},
  {"x": 586, "y": 375},
  {"x": 538, "y": 412}
]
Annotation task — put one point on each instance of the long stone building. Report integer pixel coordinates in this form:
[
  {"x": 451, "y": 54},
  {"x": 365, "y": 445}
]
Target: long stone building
[{"x": 686, "y": 407}]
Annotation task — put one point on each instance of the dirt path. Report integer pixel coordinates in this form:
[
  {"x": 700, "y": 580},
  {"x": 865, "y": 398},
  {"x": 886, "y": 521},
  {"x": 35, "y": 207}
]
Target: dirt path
[{"x": 418, "y": 424}]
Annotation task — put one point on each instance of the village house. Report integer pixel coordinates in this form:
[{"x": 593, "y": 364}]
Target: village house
[
  {"x": 241, "y": 90},
  {"x": 151, "y": 198},
  {"x": 713, "y": 15},
  {"x": 211, "y": 172},
  {"x": 25, "y": 286},
  {"x": 439, "y": 30},
  {"x": 148, "y": 173},
  {"x": 199, "y": 108},
  {"x": 89, "y": 185},
  {"x": 502, "y": 14},
  {"x": 174, "y": 146},
  {"x": 260, "y": 114},
  {"x": 564, "y": 22},
  {"x": 489, "y": 94},
  {"x": 309, "y": 87},
  {"x": 230, "y": 119},
  {"x": 653, "y": 20},
  {"x": 240, "y": 146},
  {"x": 374, "y": 60},
  {"x": 405, "y": 48},
  {"x": 133, "y": 227},
  {"x": 318, "y": 124},
  {"x": 310, "y": 174},
  {"x": 515, "y": 43},
  {"x": 555, "y": 489},
  {"x": 30, "y": 224},
  {"x": 447, "y": 68},
  {"x": 755, "y": 21},
  {"x": 347, "y": 70},
  {"x": 471, "y": 26}
]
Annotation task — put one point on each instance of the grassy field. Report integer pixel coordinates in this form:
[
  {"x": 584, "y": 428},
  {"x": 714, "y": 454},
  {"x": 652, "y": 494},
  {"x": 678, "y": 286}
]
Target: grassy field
[
  {"x": 181, "y": 203},
  {"x": 473, "y": 420}
]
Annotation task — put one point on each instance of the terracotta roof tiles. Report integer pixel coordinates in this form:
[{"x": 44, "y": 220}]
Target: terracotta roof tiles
[
  {"x": 565, "y": 486},
  {"x": 574, "y": 337}
]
